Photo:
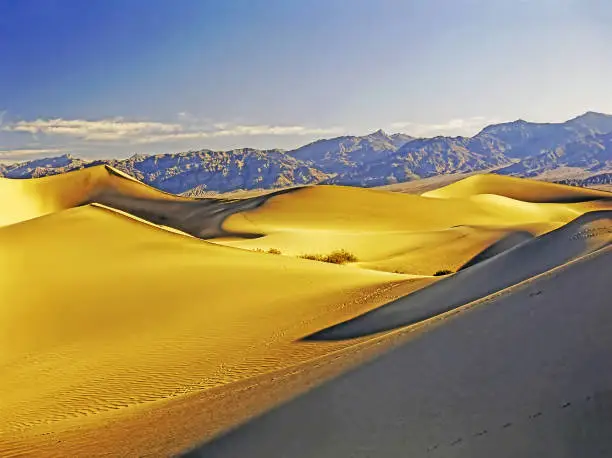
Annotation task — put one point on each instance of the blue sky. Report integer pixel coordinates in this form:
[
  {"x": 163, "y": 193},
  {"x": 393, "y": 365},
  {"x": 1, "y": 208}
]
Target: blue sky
[{"x": 116, "y": 77}]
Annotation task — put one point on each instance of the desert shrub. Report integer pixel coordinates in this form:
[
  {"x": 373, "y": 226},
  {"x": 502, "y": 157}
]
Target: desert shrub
[
  {"x": 340, "y": 257},
  {"x": 274, "y": 251},
  {"x": 335, "y": 257},
  {"x": 259, "y": 250},
  {"x": 443, "y": 272},
  {"x": 313, "y": 257}
]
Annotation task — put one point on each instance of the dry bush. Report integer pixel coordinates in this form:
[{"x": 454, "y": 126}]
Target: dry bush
[
  {"x": 335, "y": 257},
  {"x": 313, "y": 257},
  {"x": 340, "y": 257},
  {"x": 439, "y": 273}
]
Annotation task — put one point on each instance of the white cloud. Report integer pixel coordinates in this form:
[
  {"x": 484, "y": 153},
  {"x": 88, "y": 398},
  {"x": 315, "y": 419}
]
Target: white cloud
[
  {"x": 179, "y": 136},
  {"x": 102, "y": 130},
  {"x": 459, "y": 126},
  {"x": 28, "y": 152},
  {"x": 226, "y": 130},
  {"x": 140, "y": 132},
  {"x": 246, "y": 130}
]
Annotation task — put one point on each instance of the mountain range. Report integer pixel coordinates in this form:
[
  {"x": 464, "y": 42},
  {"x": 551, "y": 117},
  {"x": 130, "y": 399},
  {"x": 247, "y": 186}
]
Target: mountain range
[{"x": 582, "y": 144}]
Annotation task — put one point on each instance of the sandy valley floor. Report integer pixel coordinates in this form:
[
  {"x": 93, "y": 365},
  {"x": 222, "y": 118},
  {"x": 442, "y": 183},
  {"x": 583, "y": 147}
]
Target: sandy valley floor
[{"x": 137, "y": 323}]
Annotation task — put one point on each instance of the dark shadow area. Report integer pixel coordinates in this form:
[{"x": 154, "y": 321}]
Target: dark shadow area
[
  {"x": 508, "y": 268},
  {"x": 570, "y": 199},
  {"x": 202, "y": 218},
  {"x": 504, "y": 244},
  {"x": 525, "y": 377}
]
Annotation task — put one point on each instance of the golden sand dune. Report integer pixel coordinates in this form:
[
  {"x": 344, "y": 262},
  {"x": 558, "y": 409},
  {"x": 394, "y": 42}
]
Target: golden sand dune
[
  {"x": 524, "y": 375},
  {"x": 26, "y": 199},
  {"x": 120, "y": 334},
  {"x": 516, "y": 188},
  {"x": 104, "y": 314},
  {"x": 584, "y": 235},
  {"x": 400, "y": 232}
]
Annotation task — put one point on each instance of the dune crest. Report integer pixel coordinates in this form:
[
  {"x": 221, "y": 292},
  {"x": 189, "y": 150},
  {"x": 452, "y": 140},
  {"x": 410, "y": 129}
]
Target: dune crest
[
  {"x": 124, "y": 307},
  {"x": 517, "y": 188},
  {"x": 397, "y": 232},
  {"x": 31, "y": 198},
  {"x": 530, "y": 258}
]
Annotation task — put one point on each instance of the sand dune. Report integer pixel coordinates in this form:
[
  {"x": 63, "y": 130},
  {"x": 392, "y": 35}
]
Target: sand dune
[
  {"x": 26, "y": 199},
  {"x": 525, "y": 375},
  {"x": 423, "y": 185},
  {"x": 398, "y": 232},
  {"x": 124, "y": 315},
  {"x": 134, "y": 322},
  {"x": 587, "y": 233},
  {"x": 517, "y": 188}
]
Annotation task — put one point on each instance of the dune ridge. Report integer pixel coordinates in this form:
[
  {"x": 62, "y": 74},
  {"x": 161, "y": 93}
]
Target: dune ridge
[
  {"x": 31, "y": 198},
  {"x": 517, "y": 188},
  {"x": 130, "y": 329},
  {"x": 421, "y": 234},
  {"x": 522, "y": 374},
  {"x": 122, "y": 304},
  {"x": 587, "y": 233}
]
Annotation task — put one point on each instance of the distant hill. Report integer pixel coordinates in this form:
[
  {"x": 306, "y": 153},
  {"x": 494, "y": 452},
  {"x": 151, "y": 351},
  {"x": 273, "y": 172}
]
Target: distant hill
[
  {"x": 517, "y": 148},
  {"x": 422, "y": 158},
  {"x": 219, "y": 171},
  {"x": 344, "y": 155},
  {"x": 599, "y": 180},
  {"x": 592, "y": 153}
]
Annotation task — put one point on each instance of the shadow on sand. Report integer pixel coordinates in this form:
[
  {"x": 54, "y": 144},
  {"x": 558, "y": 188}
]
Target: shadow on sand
[
  {"x": 202, "y": 218},
  {"x": 498, "y": 270}
]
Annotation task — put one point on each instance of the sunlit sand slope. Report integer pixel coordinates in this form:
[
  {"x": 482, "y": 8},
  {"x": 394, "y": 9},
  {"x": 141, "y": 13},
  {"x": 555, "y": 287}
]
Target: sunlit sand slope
[
  {"x": 517, "y": 188},
  {"x": 399, "y": 232},
  {"x": 26, "y": 199},
  {"x": 102, "y": 313},
  {"x": 588, "y": 233},
  {"x": 116, "y": 318},
  {"x": 525, "y": 375}
]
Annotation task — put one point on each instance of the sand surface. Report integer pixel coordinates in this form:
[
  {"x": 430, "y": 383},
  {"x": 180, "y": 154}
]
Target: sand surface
[
  {"x": 516, "y": 188},
  {"x": 584, "y": 235},
  {"x": 138, "y": 323},
  {"x": 405, "y": 233},
  {"x": 146, "y": 315},
  {"x": 525, "y": 375}
]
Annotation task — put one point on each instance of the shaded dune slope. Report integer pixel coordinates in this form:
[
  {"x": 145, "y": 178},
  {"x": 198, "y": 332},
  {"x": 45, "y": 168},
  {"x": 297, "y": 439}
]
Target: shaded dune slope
[
  {"x": 27, "y": 199},
  {"x": 522, "y": 376},
  {"x": 504, "y": 244},
  {"x": 519, "y": 189},
  {"x": 202, "y": 218},
  {"x": 125, "y": 316},
  {"x": 31, "y": 198},
  {"x": 407, "y": 233},
  {"x": 111, "y": 322},
  {"x": 585, "y": 234}
]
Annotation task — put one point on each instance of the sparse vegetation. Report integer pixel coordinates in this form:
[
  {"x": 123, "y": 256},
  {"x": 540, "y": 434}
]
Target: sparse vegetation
[
  {"x": 313, "y": 257},
  {"x": 439, "y": 273},
  {"x": 335, "y": 257},
  {"x": 270, "y": 251}
]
